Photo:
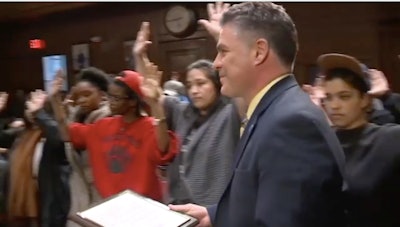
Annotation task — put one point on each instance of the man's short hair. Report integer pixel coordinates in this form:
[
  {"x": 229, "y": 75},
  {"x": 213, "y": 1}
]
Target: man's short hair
[{"x": 269, "y": 21}]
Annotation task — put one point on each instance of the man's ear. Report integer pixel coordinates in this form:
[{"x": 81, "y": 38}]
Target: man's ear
[{"x": 261, "y": 51}]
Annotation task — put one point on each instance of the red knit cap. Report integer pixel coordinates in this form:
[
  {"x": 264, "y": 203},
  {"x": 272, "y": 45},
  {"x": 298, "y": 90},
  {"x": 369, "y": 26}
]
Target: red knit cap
[{"x": 133, "y": 80}]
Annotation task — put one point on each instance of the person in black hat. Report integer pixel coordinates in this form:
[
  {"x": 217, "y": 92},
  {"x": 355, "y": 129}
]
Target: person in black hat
[
  {"x": 378, "y": 113},
  {"x": 372, "y": 152}
]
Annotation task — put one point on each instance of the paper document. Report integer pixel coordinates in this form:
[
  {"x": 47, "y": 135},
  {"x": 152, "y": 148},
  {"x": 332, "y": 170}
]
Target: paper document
[{"x": 130, "y": 209}]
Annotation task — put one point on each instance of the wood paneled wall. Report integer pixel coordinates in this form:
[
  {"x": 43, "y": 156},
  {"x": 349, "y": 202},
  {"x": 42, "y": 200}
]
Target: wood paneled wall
[{"x": 352, "y": 28}]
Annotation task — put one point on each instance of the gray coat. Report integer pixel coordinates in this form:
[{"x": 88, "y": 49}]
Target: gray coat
[{"x": 201, "y": 171}]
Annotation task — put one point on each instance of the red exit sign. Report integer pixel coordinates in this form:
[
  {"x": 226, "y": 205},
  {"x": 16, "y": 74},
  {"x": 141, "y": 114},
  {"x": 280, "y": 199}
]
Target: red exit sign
[{"x": 37, "y": 44}]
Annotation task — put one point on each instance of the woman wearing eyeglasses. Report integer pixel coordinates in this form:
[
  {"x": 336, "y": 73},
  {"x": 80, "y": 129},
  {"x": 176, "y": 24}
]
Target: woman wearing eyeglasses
[{"x": 125, "y": 150}]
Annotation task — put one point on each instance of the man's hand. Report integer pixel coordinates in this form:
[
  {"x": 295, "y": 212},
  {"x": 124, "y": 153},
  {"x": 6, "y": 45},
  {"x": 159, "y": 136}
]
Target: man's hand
[
  {"x": 379, "y": 83},
  {"x": 215, "y": 12},
  {"x": 36, "y": 101},
  {"x": 3, "y": 100},
  {"x": 196, "y": 211},
  {"x": 142, "y": 40}
]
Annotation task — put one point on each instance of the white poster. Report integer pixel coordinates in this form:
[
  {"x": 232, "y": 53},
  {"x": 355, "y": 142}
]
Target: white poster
[
  {"x": 51, "y": 64},
  {"x": 80, "y": 56}
]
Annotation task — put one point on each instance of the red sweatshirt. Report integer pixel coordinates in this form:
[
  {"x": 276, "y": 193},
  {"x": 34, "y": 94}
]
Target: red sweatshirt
[{"x": 123, "y": 156}]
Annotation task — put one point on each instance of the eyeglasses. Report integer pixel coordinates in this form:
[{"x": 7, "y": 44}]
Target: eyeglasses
[{"x": 115, "y": 98}]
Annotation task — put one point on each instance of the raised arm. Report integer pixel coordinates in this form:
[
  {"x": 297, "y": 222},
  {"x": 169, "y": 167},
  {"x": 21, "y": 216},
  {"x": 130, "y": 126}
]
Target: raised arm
[
  {"x": 380, "y": 89},
  {"x": 57, "y": 105},
  {"x": 35, "y": 107},
  {"x": 152, "y": 92},
  {"x": 3, "y": 100},
  {"x": 215, "y": 12},
  {"x": 139, "y": 50}
]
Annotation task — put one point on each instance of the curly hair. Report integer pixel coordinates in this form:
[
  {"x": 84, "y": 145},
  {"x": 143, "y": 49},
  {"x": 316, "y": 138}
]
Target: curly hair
[{"x": 96, "y": 77}]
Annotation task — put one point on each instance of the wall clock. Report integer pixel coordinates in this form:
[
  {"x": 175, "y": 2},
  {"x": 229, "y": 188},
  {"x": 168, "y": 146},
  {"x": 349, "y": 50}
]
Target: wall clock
[{"x": 180, "y": 21}]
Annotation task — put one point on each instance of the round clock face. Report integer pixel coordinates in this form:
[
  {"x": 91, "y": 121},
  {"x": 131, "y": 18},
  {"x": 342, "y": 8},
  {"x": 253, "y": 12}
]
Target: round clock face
[{"x": 178, "y": 19}]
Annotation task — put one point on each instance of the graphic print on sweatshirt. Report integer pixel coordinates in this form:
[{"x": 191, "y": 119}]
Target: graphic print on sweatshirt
[{"x": 119, "y": 157}]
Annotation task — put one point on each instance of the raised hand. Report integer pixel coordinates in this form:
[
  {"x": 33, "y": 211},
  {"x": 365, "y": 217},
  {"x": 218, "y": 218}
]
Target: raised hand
[
  {"x": 142, "y": 40},
  {"x": 36, "y": 101},
  {"x": 70, "y": 98},
  {"x": 153, "y": 73},
  {"x": 151, "y": 84},
  {"x": 18, "y": 123},
  {"x": 379, "y": 83},
  {"x": 3, "y": 100},
  {"x": 215, "y": 12},
  {"x": 57, "y": 83},
  {"x": 316, "y": 93}
]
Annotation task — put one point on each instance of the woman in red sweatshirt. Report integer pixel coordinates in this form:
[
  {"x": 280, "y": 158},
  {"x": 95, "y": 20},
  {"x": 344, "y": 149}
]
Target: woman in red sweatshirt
[{"x": 125, "y": 150}]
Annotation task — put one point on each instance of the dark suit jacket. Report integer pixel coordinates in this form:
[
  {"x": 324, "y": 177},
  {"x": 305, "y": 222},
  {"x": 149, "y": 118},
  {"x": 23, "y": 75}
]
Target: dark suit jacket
[{"x": 288, "y": 168}]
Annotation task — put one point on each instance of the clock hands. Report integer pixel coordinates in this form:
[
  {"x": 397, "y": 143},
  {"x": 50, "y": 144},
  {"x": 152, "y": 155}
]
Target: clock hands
[{"x": 174, "y": 19}]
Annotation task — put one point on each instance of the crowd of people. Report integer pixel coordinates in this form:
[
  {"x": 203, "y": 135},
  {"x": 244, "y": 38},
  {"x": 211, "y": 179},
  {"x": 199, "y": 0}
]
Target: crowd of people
[{"x": 238, "y": 143}]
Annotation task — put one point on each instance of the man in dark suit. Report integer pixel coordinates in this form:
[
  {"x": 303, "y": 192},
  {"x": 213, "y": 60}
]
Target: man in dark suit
[{"x": 289, "y": 164}]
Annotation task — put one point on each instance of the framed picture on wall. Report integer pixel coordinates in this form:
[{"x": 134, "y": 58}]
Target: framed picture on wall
[
  {"x": 80, "y": 56},
  {"x": 128, "y": 57}
]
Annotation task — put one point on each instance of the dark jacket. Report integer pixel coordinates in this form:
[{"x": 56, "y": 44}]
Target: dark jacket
[
  {"x": 54, "y": 172},
  {"x": 380, "y": 115},
  {"x": 391, "y": 102},
  {"x": 372, "y": 174},
  {"x": 288, "y": 168}
]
